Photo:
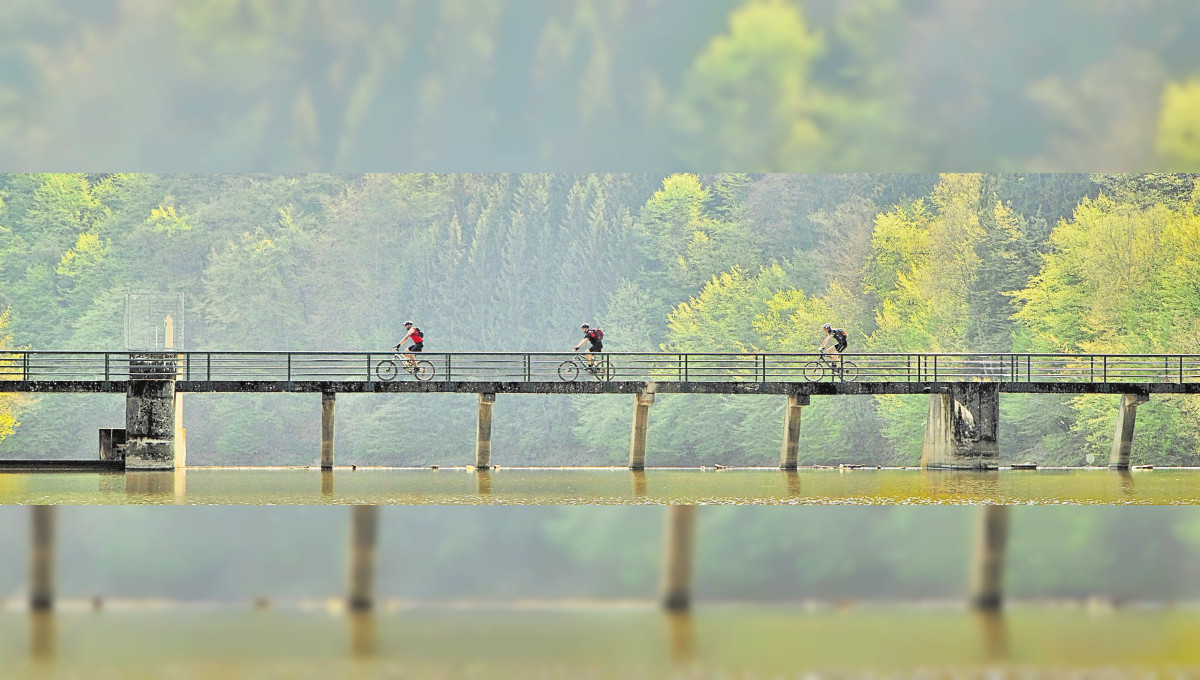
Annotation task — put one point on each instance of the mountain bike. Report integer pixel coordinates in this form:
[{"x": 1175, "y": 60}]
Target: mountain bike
[
  {"x": 846, "y": 371},
  {"x": 601, "y": 368},
  {"x": 420, "y": 369}
]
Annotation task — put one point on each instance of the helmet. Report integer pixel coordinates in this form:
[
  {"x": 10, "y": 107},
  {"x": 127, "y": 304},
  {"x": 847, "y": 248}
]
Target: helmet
[
  {"x": 827, "y": 326},
  {"x": 584, "y": 325},
  {"x": 408, "y": 323}
]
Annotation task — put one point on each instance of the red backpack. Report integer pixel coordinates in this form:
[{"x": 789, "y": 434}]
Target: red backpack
[{"x": 595, "y": 334}]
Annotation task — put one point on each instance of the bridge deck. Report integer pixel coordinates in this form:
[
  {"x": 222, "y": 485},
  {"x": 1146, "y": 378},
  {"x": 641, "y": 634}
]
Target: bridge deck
[
  {"x": 557, "y": 373},
  {"x": 606, "y": 387}
]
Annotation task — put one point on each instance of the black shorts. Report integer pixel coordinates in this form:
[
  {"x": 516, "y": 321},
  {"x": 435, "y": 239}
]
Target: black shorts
[
  {"x": 417, "y": 347},
  {"x": 840, "y": 347},
  {"x": 597, "y": 347}
]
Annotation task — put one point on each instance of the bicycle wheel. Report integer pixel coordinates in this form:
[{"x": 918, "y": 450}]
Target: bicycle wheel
[
  {"x": 568, "y": 370},
  {"x": 602, "y": 369},
  {"x": 849, "y": 371},
  {"x": 423, "y": 370},
  {"x": 814, "y": 371},
  {"x": 386, "y": 370}
]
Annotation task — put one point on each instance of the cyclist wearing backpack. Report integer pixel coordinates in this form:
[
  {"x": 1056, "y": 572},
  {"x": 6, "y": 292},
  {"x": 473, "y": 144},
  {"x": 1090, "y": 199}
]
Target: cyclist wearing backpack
[
  {"x": 596, "y": 337},
  {"x": 418, "y": 340},
  {"x": 837, "y": 336}
]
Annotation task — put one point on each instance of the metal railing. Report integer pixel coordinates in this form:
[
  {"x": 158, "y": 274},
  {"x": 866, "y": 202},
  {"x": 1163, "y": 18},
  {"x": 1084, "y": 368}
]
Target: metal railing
[{"x": 550, "y": 367}]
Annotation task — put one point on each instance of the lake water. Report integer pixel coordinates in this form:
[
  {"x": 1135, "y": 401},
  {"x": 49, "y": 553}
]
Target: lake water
[
  {"x": 601, "y": 486},
  {"x": 585, "y": 640}
]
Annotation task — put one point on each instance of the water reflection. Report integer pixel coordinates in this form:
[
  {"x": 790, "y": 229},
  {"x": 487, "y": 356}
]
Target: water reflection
[
  {"x": 42, "y": 635},
  {"x": 792, "y": 480},
  {"x": 972, "y": 484},
  {"x": 639, "y": 483},
  {"x": 994, "y": 630},
  {"x": 681, "y": 636},
  {"x": 522, "y": 486},
  {"x": 363, "y": 630},
  {"x": 1126, "y": 482},
  {"x": 158, "y": 485}
]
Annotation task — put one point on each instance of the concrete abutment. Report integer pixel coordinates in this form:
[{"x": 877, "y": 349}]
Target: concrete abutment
[{"x": 961, "y": 432}]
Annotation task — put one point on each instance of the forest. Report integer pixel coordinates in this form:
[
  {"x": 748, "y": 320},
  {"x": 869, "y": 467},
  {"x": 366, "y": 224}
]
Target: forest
[
  {"x": 618, "y": 85},
  {"x": 677, "y": 262}
]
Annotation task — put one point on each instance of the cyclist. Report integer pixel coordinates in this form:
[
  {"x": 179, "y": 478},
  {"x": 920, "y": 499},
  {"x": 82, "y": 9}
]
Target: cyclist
[
  {"x": 595, "y": 336},
  {"x": 418, "y": 339},
  {"x": 835, "y": 335}
]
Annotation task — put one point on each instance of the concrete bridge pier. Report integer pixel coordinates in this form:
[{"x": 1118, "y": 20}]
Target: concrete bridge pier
[
  {"x": 1118, "y": 458},
  {"x": 961, "y": 431},
  {"x": 483, "y": 437},
  {"x": 986, "y": 579},
  {"x": 42, "y": 558},
  {"x": 641, "y": 415},
  {"x": 363, "y": 531},
  {"x": 678, "y": 548},
  {"x": 791, "y": 431},
  {"x": 150, "y": 410},
  {"x": 328, "y": 405}
]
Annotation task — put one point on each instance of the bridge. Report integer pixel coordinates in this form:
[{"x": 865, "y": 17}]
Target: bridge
[{"x": 961, "y": 430}]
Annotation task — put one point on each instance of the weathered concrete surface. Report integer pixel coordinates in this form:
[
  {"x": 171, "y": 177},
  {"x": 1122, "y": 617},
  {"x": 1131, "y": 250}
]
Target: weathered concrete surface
[
  {"x": 42, "y": 557},
  {"x": 962, "y": 428},
  {"x": 678, "y": 550},
  {"x": 791, "y": 431},
  {"x": 641, "y": 415},
  {"x": 986, "y": 577},
  {"x": 363, "y": 532},
  {"x": 150, "y": 424},
  {"x": 1118, "y": 457},
  {"x": 483, "y": 432},
  {"x": 328, "y": 405}
]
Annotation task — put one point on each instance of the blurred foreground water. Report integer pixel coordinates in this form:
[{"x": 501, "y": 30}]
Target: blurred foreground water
[
  {"x": 602, "y": 486},
  {"x": 589, "y": 640}
]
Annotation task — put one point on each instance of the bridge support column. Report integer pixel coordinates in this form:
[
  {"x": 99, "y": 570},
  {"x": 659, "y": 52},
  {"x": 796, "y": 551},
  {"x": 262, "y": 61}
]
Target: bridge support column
[
  {"x": 483, "y": 436},
  {"x": 791, "y": 431},
  {"x": 986, "y": 578},
  {"x": 328, "y": 404},
  {"x": 1118, "y": 459},
  {"x": 678, "y": 548},
  {"x": 150, "y": 413},
  {"x": 641, "y": 415},
  {"x": 41, "y": 558},
  {"x": 961, "y": 432},
  {"x": 363, "y": 530}
]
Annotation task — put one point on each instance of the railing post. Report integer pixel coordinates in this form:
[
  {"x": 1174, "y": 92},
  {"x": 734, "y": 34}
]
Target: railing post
[
  {"x": 448, "y": 367},
  {"x": 528, "y": 372},
  {"x": 368, "y": 367},
  {"x": 106, "y": 367},
  {"x": 25, "y": 366},
  {"x": 684, "y": 357},
  {"x": 187, "y": 366},
  {"x": 1180, "y": 369},
  {"x": 1105, "y": 358},
  {"x": 935, "y": 368},
  {"x": 1028, "y": 368},
  {"x": 208, "y": 367},
  {"x": 289, "y": 367}
]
